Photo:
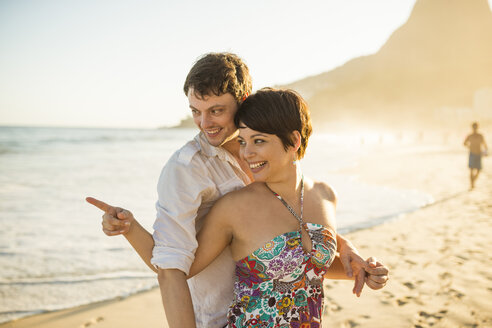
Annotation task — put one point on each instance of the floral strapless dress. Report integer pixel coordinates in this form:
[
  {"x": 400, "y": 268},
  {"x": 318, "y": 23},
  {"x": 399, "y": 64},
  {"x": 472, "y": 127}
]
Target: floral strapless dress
[{"x": 281, "y": 285}]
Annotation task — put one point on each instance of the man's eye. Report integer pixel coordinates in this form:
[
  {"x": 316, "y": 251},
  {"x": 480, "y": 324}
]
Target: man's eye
[{"x": 194, "y": 112}]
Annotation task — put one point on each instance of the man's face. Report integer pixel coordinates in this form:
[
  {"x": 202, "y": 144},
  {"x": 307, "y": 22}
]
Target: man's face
[{"x": 214, "y": 116}]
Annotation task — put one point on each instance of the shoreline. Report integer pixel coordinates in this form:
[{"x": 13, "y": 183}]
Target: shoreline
[{"x": 406, "y": 301}]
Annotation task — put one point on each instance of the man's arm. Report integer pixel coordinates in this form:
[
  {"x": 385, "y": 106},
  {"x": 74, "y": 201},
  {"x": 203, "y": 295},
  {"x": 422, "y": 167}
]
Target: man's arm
[
  {"x": 371, "y": 272},
  {"x": 350, "y": 258},
  {"x": 169, "y": 252},
  {"x": 175, "y": 293},
  {"x": 176, "y": 298},
  {"x": 377, "y": 273},
  {"x": 181, "y": 189},
  {"x": 118, "y": 221},
  {"x": 348, "y": 253}
]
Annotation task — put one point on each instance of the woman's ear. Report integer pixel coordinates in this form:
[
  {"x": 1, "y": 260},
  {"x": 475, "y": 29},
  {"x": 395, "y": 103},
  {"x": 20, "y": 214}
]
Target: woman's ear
[{"x": 296, "y": 138}]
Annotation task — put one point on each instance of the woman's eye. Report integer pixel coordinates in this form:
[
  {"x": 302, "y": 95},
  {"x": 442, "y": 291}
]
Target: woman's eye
[
  {"x": 241, "y": 142},
  {"x": 257, "y": 141}
]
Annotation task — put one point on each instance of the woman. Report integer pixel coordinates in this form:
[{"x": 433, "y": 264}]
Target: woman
[{"x": 282, "y": 232}]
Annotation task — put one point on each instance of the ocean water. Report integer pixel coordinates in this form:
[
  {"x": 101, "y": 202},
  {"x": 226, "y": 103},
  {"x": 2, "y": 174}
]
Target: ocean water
[{"x": 53, "y": 254}]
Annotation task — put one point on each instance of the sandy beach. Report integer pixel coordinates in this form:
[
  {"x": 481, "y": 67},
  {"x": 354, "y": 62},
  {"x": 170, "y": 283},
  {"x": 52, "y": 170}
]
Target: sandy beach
[
  {"x": 441, "y": 272},
  {"x": 441, "y": 269}
]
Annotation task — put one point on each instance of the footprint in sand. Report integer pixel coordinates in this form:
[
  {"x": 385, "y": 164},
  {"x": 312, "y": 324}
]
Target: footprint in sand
[
  {"x": 404, "y": 300},
  {"x": 350, "y": 324},
  {"x": 387, "y": 294},
  {"x": 464, "y": 258},
  {"x": 386, "y": 297},
  {"x": 331, "y": 305},
  {"x": 445, "y": 276},
  {"x": 92, "y": 322},
  {"x": 425, "y": 319},
  {"x": 407, "y": 299},
  {"x": 411, "y": 285},
  {"x": 412, "y": 263},
  {"x": 456, "y": 294},
  {"x": 444, "y": 249}
]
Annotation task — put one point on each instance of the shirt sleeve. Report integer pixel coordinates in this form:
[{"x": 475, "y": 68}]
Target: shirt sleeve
[{"x": 181, "y": 189}]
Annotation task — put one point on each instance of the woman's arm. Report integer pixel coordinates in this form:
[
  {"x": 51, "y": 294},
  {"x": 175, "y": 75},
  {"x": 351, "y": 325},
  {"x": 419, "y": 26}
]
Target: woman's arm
[
  {"x": 215, "y": 235},
  {"x": 337, "y": 271}
]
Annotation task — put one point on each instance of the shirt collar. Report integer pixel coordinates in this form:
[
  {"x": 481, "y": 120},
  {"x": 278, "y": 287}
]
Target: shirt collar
[{"x": 212, "y": 151}]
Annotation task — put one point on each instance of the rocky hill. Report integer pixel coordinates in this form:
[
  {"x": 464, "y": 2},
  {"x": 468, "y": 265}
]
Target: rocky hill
[{"x": 436, "y": 61}]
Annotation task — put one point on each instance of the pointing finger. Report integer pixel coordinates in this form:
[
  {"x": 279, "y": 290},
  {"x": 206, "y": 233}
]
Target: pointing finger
[{"x": 101, "y": 205}]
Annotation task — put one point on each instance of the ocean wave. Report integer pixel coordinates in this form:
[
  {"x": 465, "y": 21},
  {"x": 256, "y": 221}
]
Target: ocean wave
[
  {"x": 57, "y": 280},
  {"x": 12, "y": 138}
]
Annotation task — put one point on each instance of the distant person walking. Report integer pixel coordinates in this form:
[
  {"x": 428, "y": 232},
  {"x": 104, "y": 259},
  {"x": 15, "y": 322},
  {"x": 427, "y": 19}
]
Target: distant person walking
[{"x": 475, "y": 141}]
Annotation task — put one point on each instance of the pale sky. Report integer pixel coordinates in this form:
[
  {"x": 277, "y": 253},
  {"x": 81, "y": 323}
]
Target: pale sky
[{"x": 122, "y": 63}]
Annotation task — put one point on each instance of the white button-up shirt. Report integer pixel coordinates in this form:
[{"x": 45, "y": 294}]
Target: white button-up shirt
[{"x": 191, "y": 181}]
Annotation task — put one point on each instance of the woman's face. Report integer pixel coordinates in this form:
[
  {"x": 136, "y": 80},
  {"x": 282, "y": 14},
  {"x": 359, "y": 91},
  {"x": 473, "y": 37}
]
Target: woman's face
[{"x": 265, "y": 154}]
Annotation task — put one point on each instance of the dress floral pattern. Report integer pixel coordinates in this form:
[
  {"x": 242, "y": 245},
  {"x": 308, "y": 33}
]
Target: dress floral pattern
[{"x": 280, "y": 285}]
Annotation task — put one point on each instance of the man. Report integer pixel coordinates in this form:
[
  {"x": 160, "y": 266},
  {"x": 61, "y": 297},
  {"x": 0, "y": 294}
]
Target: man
[
  {"x": 197, "y": 175},
  {"x": 474, "y": 142}
]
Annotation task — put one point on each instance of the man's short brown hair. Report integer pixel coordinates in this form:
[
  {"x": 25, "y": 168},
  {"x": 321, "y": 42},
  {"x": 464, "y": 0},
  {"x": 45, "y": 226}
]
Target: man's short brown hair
[
  {"x": 278, "y": 112},
  {"x": 218, "y": 74}
]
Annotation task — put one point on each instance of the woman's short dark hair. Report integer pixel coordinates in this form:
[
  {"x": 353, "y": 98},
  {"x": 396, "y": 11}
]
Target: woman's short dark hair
[
  {"x": 278, "y": 112},
  {"x": 218, "y": 74}
]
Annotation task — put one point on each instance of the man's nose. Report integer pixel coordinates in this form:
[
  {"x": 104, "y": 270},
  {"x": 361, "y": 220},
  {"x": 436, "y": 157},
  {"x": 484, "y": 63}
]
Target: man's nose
[{"x": 206, "y": 122}]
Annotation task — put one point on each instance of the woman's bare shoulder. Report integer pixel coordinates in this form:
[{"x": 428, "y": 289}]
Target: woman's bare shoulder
[
  {"x": 323, "y": 189},
  {"x": 241, "y": 198}
]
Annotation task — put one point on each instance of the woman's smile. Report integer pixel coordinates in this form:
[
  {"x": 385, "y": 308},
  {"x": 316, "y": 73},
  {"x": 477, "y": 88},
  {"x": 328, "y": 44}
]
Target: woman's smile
[{"x": 256, "y": 167}]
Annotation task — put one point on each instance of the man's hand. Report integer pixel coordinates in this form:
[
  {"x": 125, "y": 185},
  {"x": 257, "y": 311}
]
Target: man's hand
[
  {"x": 116, "y": 220},
  {"x": 377, "y": 274},
  {"x": 370, "y": 272},
  {"x": 348, "y": 253}
]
